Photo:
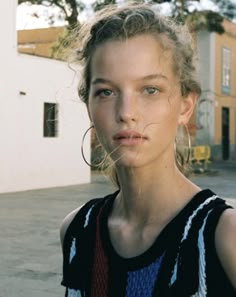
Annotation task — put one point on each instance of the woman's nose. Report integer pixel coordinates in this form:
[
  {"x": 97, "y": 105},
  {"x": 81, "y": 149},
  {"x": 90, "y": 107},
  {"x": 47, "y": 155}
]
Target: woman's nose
[{"x": 127, "y": 109}]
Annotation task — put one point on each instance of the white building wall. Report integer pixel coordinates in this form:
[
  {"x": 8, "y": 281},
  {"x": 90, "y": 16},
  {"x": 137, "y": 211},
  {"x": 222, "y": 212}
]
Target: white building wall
[{"x": 27, "y": 159}]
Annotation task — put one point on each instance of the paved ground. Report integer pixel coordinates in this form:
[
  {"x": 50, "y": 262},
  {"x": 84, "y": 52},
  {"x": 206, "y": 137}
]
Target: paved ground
[{"x": 30, "y": 253}]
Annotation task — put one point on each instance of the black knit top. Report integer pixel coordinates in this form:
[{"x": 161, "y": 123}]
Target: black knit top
[{"x": 181, "y": 262}]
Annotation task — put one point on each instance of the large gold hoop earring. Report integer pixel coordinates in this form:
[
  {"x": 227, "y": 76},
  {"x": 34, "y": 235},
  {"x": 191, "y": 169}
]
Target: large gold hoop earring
[
  {"x": 82, "y": 151},
  {"x": 189, "y": 144}
]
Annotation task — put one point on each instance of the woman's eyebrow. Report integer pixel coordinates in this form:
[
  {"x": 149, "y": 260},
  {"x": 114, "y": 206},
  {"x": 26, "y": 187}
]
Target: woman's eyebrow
[
  {"x": 100, "y": 81},
  {"x": 154, "y": 76}
]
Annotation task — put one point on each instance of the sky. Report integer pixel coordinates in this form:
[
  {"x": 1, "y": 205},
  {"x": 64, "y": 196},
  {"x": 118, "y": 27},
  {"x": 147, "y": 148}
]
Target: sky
[{"x": 38, "y": 16}]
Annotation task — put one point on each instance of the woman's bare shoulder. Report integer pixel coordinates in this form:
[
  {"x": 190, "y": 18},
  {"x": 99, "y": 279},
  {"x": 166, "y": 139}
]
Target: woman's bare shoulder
[{"x": 66, "y": 223}]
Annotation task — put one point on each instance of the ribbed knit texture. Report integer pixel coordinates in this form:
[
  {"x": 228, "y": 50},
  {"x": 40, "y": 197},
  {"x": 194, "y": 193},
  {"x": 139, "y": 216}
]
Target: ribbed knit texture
[
  {"x": 100, "y": 268},
  {"x": 140, "y": 283}
]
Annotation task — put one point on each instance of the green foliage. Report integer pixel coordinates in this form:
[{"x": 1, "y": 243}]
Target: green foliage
[
  {"x": 97, "y": 5},
  {"x": 57, "y": 49},
  {"x": 214, "y": 22},
  {"x": 205, "y": 20}
]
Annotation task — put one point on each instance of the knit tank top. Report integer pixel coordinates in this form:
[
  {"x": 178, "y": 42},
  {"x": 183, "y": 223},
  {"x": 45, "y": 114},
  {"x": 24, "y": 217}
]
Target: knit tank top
[{"x": 181, "y": 262}]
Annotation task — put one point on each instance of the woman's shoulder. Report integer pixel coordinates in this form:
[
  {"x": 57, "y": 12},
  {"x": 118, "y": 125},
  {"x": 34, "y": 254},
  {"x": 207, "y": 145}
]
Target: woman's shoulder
[
  {"x": 81, "y": 215},
  {"x": 66, "y": 223},
  {"x": 76, "y": 215},
  {"x": 225, "y": 241},
  {"x": 221, "y": 237}
]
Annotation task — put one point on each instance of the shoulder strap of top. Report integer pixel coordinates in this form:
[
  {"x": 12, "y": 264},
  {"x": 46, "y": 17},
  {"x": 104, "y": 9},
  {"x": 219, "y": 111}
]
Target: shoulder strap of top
[
  {"x": 73, "y": 245},
  {"x": 193, "y": 248},
  {"x": 183, "y": 272},
  {"x": 79, "y": 243}
]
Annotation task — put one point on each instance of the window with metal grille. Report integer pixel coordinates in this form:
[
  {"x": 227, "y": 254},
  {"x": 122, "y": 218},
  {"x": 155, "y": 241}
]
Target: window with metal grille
[
  {"x": 225, "y": 81},
  {"x": 50, "y": 125}
]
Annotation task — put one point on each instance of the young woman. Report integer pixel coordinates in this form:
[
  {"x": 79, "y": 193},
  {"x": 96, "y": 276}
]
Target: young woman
[{"x": 158, "y": 234}]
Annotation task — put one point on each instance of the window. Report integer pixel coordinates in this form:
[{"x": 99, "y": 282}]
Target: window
[
  {"x": 225, "y": 82},
  {"x": 50, "y": 122}
]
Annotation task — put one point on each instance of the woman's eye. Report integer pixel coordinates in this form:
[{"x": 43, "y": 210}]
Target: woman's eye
[
  {"x": 151, "y": 90},
  {"x": 104, "y": 93}
]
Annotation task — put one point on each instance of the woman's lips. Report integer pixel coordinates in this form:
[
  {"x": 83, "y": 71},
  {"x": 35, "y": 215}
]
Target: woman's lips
[{"x": 128, "y": 137}]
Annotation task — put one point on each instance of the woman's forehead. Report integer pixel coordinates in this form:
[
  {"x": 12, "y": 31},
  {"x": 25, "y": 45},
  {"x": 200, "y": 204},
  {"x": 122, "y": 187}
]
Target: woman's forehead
[{"x": 142, "y": 54}]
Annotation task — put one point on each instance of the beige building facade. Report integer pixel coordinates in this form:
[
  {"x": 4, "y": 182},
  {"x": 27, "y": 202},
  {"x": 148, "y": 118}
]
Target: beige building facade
[
  {"x": 38, "y": 41},
  {"x": 216, "y": 109}
]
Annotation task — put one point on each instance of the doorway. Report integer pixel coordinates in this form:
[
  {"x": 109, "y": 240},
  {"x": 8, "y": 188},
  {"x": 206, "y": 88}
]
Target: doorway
[{"x": 225, "y": 133}]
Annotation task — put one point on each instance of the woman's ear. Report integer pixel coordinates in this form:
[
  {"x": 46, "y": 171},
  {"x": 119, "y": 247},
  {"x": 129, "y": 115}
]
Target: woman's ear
[{"x": 187, "y": 106}]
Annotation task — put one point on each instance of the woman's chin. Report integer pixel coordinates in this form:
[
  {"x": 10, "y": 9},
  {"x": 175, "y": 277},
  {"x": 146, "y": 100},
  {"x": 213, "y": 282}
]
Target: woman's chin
[{"x": 128, "y": 162}]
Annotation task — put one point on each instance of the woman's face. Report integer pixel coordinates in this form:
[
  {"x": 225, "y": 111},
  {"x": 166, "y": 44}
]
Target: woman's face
[{"x": 135, "y": 101}]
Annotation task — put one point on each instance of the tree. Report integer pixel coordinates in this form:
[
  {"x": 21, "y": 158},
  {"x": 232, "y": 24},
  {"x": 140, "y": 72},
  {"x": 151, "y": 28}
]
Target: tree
[
  {"x": 70, "y": 8},
  {"x": 183, "y": 10}
]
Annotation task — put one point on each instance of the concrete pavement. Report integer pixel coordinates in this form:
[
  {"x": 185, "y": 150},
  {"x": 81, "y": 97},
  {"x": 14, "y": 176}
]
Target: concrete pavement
[{"x": 30, "y": 252}]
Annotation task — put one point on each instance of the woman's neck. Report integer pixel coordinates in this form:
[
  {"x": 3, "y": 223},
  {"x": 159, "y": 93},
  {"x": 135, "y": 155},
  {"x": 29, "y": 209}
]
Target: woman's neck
[{"x": 154, "y": 194}]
